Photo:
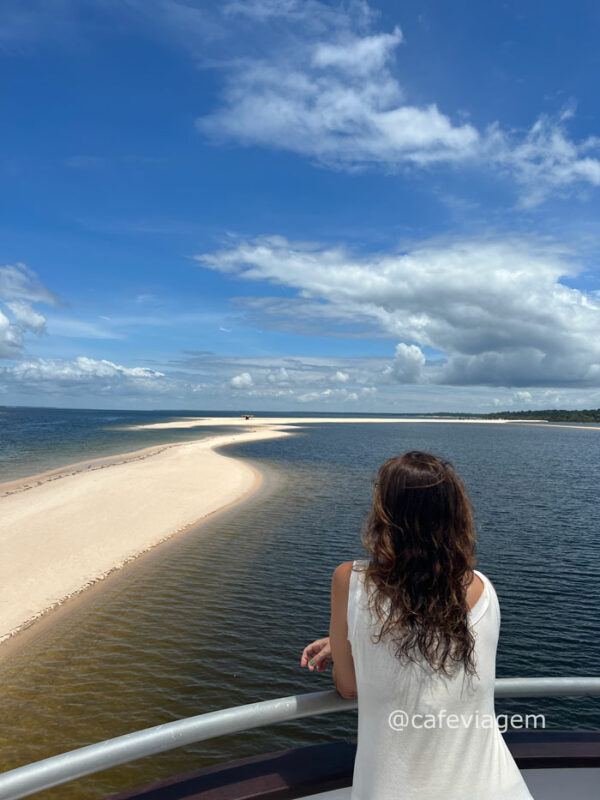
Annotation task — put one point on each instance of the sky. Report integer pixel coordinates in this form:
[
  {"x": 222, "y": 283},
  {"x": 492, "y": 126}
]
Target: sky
[{"x": 296, "y": 205}]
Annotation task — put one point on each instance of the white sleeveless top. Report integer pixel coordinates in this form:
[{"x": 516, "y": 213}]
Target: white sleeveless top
[{"x": 437, "y": 754}]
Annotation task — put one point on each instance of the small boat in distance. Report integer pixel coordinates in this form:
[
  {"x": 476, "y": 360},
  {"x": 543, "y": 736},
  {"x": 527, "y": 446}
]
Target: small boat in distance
[{"x": 555, "y": 764}]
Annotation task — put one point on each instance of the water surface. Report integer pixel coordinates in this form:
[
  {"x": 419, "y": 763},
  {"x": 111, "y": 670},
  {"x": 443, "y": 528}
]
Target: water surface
[{"x": 219, "y": 616}]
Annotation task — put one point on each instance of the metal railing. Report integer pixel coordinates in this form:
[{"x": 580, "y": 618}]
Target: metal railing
[{"x": 24, "y": 781}]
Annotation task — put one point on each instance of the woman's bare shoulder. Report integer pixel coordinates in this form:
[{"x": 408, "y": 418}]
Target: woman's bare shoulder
[
  {"x": 475, "y": 589},
  {"x": 342, "y": 572},
  {"x": 481, "y": 575}
]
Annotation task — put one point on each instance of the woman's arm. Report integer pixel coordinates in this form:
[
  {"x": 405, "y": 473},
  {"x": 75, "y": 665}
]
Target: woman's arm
[{"x": 341, "y": 651}]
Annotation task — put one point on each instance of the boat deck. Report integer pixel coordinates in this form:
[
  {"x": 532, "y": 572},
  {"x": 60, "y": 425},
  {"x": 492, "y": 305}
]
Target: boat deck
[
  {"x": 555, "y": 765},
  {"x": 546, "y": 784}
]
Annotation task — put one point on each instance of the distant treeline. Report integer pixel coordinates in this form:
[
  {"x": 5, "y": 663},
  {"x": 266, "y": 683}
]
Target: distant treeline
[{"x": 551, "y": 414}]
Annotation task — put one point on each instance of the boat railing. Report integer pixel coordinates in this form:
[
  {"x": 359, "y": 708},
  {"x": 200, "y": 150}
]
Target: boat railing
[{"x": 26, "y": 780}]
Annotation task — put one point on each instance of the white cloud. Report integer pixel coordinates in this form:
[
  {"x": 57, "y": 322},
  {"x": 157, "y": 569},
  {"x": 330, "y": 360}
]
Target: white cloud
[
  {"x": 306, "y": 379},
  {"x": 18, "y": 282},
  {"x": 336, "y": 101},
  {"x": 311, "y": 386},
  {"x": 523, "y": 397},
  {"x": 328, "y": 395},
  {"x": 79, "y": 368},
  {"x": 11, "y": 338},
  {"x": 357, "y": 54},
  {"x": 102, "y": 383},
  {"x": 242, "y": 381},
  {"x": 408, "y": 363},
  {"x": 280, "y": 376},
  {"x": 545, "y": 159},
  {"x": 341, "y": 377},
  {"x": 20, "y": 288},
  {"x": 325, "y": 87},
  {"x": 496, "y": 309},
  {"x": 26, "y": 316},
  {"x": 83, "y": 377}
]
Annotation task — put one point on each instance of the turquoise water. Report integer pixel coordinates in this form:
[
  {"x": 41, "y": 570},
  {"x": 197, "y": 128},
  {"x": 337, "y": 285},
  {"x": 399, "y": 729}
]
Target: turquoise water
[{"x": 219, "y": 616}]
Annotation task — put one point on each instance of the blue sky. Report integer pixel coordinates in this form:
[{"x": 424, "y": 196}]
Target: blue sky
[{"x": 284, "y": 205}]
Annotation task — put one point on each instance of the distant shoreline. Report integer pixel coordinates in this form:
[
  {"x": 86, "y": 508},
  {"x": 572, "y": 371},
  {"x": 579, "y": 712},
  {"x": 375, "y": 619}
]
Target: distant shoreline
[{"x": 550, "y": 415}]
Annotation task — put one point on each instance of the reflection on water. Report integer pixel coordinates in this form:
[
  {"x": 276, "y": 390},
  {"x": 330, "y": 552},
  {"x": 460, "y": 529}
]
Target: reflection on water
[{"x": 219, "y": 616}]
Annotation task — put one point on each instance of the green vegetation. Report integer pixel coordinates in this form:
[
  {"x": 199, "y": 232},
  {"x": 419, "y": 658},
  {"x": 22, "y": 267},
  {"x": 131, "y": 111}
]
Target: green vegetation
[{"x": 552, "y": 415}]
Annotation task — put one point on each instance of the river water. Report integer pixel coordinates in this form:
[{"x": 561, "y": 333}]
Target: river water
[{"x": 218, "y": 616}]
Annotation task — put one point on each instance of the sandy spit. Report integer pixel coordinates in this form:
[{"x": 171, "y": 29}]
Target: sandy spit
[
  {"x": 290, "y": 423},
  {"x": 65, "y": 530},
  {"x": 287, "y": 422}
]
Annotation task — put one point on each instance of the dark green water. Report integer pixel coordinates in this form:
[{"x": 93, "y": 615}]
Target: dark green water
[{"x": 219, "y": 616}]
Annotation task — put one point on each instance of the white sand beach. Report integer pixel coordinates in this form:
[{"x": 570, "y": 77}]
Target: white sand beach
[{"x": 64, "y": 530}]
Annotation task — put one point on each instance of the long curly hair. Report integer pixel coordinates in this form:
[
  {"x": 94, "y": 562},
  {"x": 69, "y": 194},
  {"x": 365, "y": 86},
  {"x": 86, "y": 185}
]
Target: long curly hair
[{"x": 420, "y": 536}]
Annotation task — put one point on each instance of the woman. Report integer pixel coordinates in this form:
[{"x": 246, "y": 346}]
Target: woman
[{"x": 413, "y": 634}]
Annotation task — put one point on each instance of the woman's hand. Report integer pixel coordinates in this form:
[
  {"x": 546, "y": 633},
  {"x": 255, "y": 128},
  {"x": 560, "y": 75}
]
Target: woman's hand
[{"x": 317, "y": 655}]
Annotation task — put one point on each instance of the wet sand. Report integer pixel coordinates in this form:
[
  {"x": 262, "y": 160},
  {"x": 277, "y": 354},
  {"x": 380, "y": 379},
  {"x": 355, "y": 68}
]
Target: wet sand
[{"x": 65, "y": 530}]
